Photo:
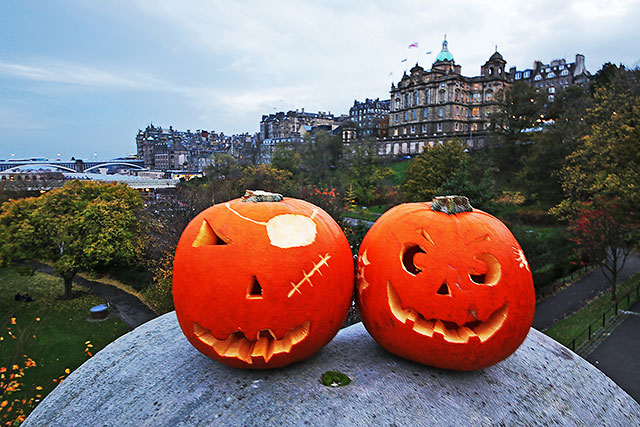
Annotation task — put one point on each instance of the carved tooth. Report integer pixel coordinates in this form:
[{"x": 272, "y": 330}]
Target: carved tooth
[
  {"x": 424, "y": 327},
  {"x": 269, "y": 352},
  {"x": 439, "y": 328},
  {"x": 208, "y": 339},
  {"x": 411, "y": 314},
  {"x": 452, "y": 335},
  {"x": 279, "y": 346},
  {"x": 220, "y": 346},
  {"x": 199, "y": 330},
  {"x": 465, "y": 333},
  {"x": 234, "y": 347},
  {"x": 244, "y": 350},
  {"x": 260, "y": 347}
]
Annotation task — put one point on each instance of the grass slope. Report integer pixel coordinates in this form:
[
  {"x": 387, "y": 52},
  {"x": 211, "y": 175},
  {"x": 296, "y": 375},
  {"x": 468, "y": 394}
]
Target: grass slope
[
  {"x": 570, "y": 327},
  {"x": 55, "y": 333}
]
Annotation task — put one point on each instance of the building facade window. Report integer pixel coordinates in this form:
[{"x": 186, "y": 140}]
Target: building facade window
[
  {"x": 406, "y": 116},
  {"x": 441, "y": 112},
  {"x": 426, "y": 113},
  {"x": 413, "y": 114},
  {"x": 439, "y": 127},
  {"x": 413, "y": 129}
]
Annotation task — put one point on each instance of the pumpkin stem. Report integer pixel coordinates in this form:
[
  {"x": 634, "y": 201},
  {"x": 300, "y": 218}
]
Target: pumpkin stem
[
  {"x": 261, "y": 196},
  {"x": 451, "y": 204}
]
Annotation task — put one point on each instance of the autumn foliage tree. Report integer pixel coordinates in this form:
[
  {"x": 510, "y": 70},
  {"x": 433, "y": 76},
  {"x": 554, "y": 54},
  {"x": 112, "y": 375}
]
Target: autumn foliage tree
[
  {"x": 80, "y": 226},
  {"x": 601, "y": 178},
  {"x": 602, "y": 239}
]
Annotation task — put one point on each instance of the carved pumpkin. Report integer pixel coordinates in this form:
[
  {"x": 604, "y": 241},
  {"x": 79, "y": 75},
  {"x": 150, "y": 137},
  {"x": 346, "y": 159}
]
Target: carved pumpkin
[
  {"x": 445, "y": 285},
  {"x": 262, "y": 284}
]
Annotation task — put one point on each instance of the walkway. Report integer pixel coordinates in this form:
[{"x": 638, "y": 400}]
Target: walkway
[
  {"x": 125, "y": 305},
  {"x": 575, "y": 296},
  {"x": 617, "y": 356}
]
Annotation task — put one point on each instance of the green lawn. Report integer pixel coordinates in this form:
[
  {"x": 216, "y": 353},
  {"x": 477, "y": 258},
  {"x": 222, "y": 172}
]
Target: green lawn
[
  {"x": 570, "y": 327},
  {"x": 400, "y": 168},
  {"x": 51, "y": 332}
]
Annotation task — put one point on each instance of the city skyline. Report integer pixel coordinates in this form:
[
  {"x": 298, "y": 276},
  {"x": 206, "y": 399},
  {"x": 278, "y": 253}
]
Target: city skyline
[{"x": 79, "y": 78}]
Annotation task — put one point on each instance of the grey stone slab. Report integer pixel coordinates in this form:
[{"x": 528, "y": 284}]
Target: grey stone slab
[{"x": 153, "y": 377}]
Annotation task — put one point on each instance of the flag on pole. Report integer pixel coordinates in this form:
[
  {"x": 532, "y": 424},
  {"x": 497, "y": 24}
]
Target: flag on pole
[
  {"x": 413, "y": 45},
  {"x": 428, "y": 53},
  {"x": 404, "y": 60}
]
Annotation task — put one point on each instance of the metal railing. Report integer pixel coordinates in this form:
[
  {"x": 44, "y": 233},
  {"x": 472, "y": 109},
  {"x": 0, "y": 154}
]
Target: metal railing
[{"x": 601, "y": 322}]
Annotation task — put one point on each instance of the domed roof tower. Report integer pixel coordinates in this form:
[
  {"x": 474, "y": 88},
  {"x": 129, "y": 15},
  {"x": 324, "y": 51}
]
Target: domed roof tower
[{"x": 444, "y": 54}]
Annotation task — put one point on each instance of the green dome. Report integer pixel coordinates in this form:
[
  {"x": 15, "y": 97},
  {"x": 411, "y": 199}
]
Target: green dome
[{"x": 444, "y": 54}]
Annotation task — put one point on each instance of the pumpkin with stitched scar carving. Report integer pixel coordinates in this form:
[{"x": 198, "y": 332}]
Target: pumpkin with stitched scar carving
[
  {"x": 445, "y": 285},
  {"x": 262, "y": 281}
]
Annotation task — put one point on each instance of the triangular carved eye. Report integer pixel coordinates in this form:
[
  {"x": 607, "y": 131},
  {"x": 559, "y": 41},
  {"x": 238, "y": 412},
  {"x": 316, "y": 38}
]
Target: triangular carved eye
[
  {"x": 207, "y": 236},
  {"x": 444, "y": 289},
  {"x": 255, "y": 290}
]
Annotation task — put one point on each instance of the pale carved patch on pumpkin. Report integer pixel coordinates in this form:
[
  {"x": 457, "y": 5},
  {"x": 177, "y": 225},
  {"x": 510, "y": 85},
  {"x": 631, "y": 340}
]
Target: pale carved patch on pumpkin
[
  {"x": 287, "y": 230},
  {"x": 291, "y": 230},
  {"x": 450, "y": 331},
  {"x": 265, "y": 345},
  {"x": 324, "y": 260}
]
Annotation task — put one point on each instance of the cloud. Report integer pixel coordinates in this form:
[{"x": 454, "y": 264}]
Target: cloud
[{"x": 78, "y": 75}]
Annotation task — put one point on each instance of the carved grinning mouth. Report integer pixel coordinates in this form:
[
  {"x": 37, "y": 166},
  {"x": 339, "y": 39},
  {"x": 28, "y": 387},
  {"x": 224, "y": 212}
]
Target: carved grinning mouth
[
  {"x": 449, "y": 330},
  {"x": 265, "y": 345}
]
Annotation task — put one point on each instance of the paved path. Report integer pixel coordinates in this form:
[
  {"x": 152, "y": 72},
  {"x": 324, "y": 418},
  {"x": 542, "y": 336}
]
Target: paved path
[
  {"x": 575, "y": 296},
  {"x": 618, "y": 356},
  {"x": 127, "y": 306}
]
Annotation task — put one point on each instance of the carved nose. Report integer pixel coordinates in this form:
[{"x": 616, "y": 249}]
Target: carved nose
[
  {"x": 443, "y": 289},
  {"x": 255, "y": 290}
]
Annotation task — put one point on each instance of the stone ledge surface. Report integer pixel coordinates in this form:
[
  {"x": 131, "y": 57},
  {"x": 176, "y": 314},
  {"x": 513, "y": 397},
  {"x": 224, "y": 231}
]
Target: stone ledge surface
[{"x": 152, "y": 376}]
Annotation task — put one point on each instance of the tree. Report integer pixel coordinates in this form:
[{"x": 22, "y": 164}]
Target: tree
[
  {"x": 601, "y": 179},
  {"x": 286, "y": 157},
  {"x": 83, "y": 225},
  {"x": 365, "y": 178},
  {"x": 520, "y": 108},
  {"x": 321, "y": 153},
  {"x": 605, "y": 163},
  {"x": 602, "y": 239},
  {"x": 564, "y": 128}
]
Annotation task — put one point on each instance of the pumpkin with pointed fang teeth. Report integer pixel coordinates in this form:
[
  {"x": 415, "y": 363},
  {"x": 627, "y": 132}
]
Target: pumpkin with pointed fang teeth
[
  {"x": 262, "y": 281},
  {"x": 445, "y": 285}
]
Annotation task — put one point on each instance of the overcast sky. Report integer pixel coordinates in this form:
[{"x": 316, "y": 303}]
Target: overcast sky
[{"x": 80, "y": 78}]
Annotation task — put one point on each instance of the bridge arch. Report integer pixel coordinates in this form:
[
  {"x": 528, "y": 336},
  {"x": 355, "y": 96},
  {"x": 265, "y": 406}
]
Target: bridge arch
[
  {"x": 101, "y": 165},
  {"x": 16, "y": 168}
]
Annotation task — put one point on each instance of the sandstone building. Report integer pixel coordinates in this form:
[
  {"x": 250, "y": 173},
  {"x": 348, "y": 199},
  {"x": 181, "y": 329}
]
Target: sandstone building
[{"x": 431, "y": 106}]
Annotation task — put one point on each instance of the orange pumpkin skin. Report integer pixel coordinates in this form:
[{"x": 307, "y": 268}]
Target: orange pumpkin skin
[
  {"x": 449, "y": 291},
  {"x": 304, "y": 282}
]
